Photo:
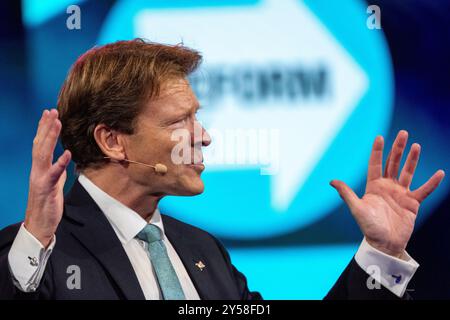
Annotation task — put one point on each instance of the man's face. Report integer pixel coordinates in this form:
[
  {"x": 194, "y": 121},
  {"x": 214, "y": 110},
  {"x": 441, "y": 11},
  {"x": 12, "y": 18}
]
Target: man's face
[{"x": 161, "y": 121}]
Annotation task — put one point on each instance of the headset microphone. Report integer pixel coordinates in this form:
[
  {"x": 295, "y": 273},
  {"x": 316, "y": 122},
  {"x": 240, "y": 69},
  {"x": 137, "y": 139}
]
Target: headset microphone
[{"x": 159, "y": 167}]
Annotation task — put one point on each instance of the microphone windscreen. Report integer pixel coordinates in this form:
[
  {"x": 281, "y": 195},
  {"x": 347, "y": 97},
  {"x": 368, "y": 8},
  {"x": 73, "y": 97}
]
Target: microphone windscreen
[{"x": 160, "y": 168}]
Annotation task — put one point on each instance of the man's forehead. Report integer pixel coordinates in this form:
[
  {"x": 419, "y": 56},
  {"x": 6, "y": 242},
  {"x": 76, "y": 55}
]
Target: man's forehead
[
  {"x": 175, "y": 96},
  {"x": 175, "y": 86},
  {"x": 178, "y": 87}
]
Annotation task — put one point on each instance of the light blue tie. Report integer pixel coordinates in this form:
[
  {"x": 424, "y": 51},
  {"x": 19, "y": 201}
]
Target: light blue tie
[{"x": 167, "y": 278}]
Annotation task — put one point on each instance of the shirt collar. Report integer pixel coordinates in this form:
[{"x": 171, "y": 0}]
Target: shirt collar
[{"x": 126, "y": 222}]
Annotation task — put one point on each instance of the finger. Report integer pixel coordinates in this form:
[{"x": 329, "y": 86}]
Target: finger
[
  {"x": 46, "y": 125},
  {"x": 42, "y": 123},
  {"x": 59, "y": 167},
  {"x": 44, "y": 117},
  {"x": 409, "y": 168},
  {"x": 388, "y": 160},
  {"x": 396, "y": 154},
  {"x": 347, "y": 194},
  {"x": 428, "y": 187},
  {"x": 39, "y": 158},
  {"x": 376, "y": 159},
  {"x": 49, "y": 144}
]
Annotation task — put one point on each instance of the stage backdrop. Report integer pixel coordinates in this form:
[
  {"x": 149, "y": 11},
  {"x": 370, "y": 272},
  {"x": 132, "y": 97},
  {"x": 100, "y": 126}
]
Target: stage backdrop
[{"x": 293, "y": 94}]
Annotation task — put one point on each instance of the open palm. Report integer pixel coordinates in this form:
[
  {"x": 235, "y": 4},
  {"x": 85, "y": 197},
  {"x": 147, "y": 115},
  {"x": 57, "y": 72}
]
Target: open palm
[{"x": 387, "y": 211}]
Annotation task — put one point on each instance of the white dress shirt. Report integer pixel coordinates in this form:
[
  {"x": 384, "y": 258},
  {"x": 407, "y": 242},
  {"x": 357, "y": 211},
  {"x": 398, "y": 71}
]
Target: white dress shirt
[{"x": 28, "y": 258}]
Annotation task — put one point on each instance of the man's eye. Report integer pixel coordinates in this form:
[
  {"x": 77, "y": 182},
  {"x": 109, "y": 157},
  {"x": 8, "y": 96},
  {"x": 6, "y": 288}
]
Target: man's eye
[{"x": 180, "y": 121}]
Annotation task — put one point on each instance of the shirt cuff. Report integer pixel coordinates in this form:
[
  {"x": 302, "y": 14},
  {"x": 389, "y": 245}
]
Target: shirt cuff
[
  {"x": 27, "y": 260},
  {"x": 393, "y": 273}
]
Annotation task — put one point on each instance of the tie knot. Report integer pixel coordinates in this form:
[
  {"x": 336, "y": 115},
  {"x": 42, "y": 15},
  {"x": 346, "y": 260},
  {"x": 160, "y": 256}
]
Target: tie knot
[{"x": 150, "y": 233}]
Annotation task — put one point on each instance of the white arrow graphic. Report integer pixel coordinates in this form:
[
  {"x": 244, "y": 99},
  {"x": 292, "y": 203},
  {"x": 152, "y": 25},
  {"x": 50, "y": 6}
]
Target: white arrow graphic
[{"x": 273, "y": 31}]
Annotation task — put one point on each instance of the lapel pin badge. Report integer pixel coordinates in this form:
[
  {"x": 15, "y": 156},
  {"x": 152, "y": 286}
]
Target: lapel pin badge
[{"x": 200, "y": 265}]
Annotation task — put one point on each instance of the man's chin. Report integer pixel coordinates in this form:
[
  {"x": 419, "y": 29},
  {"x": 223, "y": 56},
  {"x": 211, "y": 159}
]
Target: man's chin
[
  {"x": 192, "y": 187},
  {"x": 196, "y": 190}
]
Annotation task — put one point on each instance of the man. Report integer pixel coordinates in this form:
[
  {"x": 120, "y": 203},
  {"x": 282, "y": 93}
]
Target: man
[{"x": 106, "y": 239}]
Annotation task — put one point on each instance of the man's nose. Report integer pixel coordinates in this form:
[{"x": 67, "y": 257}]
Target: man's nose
[
  {"x": 206, "y": 140},
  {"x": 201, "y": 136}
]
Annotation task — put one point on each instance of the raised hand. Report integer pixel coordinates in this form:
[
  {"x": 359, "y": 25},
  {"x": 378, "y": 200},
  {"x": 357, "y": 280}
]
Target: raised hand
[
  {"x": 387, "y": 211},
  {"x": 45, "y": 196}
]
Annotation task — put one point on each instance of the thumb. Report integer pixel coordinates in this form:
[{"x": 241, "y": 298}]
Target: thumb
[
  {"x": 62, "y": 180},
  {"x": 59, "y": 167},
  {"x": 346, "y": 193}
]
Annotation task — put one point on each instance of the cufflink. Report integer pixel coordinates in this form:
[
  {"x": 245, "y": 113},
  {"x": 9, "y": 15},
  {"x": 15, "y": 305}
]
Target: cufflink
[
  {"x": 33, "y": 261},
  {"x": 200, "y": 265},
  {"x": 397, "y": 278}
]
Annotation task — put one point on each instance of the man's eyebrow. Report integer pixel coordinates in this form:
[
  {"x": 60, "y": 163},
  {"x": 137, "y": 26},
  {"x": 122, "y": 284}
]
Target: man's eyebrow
[{"x": 189, "y": 111}]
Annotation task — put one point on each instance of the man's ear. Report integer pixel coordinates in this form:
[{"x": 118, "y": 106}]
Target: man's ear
[{"x": 110, "y": 142}]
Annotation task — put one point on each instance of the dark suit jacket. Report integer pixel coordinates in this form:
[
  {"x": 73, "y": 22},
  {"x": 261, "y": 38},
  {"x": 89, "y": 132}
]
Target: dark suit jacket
[{"x": 86, "y": 239}]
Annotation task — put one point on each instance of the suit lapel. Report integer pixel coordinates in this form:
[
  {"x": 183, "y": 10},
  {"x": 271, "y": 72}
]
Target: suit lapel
[
  {"x": 98, "y": 237},
  {"x": 190, "y": 255}
]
